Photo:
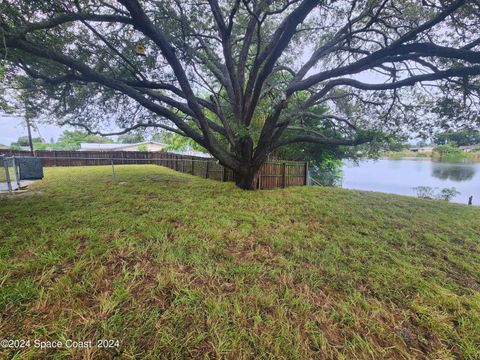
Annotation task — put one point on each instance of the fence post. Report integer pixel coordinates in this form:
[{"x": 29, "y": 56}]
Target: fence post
[
  {"x": 284, "y": 174},
  {"x": 15, "y": 174},
  {"x": 113, "y": 171},
  {"x": 223, "y": 173},
  {"x": 206, "y": 169},
  {"x": 193, "y": 162},
  {"x": 55, "y": 158},
  {"x": 7, "y": 175},
  {"x": 306, "y": 173}
]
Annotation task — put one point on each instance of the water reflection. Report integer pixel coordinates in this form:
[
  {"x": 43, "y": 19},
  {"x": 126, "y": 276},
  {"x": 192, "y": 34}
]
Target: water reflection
[
  {"x": 401, "y": 176},
  {"x": 455, "y": 172}
]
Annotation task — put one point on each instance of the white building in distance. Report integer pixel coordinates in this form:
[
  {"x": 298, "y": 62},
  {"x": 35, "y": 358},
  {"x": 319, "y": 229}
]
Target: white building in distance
[
  {"x": 142, "y": 146},
  {"x": 150, "y": 146}
]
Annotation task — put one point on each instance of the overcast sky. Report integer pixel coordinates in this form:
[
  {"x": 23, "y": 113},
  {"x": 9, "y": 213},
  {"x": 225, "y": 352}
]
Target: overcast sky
[{"x": 12, "y": 128}]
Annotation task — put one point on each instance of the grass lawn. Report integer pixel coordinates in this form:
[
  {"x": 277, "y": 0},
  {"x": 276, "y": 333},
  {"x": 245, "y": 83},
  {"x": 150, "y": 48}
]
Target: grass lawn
[{"x": 175, "y": 266}]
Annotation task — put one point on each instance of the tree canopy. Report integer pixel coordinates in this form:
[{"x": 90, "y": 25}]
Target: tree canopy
[
  {"x": 462, "y": 137},
  {"x": 243, "y": 78},
  {"x": 23, "y": 141},
  {"x": 131, "y": 138}
]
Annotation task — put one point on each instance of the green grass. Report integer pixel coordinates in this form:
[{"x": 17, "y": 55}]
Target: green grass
[
  {"x": 398, "y": 155},
  {"x": 458, "y": 156},
  {"x": 175, "y": 266}
]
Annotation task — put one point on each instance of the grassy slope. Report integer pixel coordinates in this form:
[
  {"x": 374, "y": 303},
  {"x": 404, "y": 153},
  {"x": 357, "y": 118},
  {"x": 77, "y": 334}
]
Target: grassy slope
[
  {"x": 176, "y": 266},
  {"x": 453, "y": 157}
]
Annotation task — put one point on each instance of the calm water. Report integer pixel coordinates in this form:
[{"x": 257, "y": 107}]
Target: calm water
[{"x": 401, "y": 176}]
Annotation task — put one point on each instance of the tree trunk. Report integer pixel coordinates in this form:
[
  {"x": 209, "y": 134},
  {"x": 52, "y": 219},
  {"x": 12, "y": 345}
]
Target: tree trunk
[
  {"x": 245, "y": 173},
  {"x": 245, "y": 179}
]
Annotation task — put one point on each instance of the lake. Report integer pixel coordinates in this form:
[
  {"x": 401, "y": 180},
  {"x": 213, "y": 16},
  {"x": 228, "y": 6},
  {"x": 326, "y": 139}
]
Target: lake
[{"x": 401, "y": 176}]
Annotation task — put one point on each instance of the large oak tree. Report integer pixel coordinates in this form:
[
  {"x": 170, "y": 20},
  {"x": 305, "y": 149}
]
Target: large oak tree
[{"x": 244, "y": 77}]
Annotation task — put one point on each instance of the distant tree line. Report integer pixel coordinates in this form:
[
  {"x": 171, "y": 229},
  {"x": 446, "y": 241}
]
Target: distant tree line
[
  {"x": 69, "y": 140},
  {"x": 72, "y": 140},
  {"x": 462, "y": 137}
]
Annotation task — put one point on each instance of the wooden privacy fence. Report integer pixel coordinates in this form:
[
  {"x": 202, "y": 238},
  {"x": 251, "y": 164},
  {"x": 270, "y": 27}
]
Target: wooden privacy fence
[{"x": 272, "y": 174}]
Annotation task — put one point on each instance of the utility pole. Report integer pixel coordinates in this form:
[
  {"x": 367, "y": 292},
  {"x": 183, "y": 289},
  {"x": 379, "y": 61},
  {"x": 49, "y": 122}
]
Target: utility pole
[
  {"x": 30, "y": 141},
  {"x": 28, "y": 116}
]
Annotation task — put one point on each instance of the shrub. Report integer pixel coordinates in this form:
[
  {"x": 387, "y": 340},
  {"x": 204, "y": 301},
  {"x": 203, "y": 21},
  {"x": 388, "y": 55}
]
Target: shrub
[
  {"x": 449, "y": 153},
  {"x": 447, "y": 194},
  {"x": 424, "y": 192},
  {"x": 427, "y": 192}
]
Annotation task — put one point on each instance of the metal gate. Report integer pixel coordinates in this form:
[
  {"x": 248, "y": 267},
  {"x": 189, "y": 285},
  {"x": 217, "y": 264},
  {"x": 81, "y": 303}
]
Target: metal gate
[{"x": 15, "y": 169}]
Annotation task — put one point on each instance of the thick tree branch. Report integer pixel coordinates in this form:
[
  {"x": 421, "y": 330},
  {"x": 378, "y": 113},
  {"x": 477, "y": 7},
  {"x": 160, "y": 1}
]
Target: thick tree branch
[
  {"x": 414, "y": 51},
  {"x": 266, "y": 60},
  {"x": 143, "y": 23},
  {"x": 125, "y": 130},
  {"x": 90, "y": 75},
  {"x": 71, "y": 17},
  {"x": 322, "y": 140}
]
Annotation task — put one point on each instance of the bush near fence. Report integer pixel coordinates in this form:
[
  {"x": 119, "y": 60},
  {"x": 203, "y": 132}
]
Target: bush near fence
[{"x": 272, "y": 174}]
